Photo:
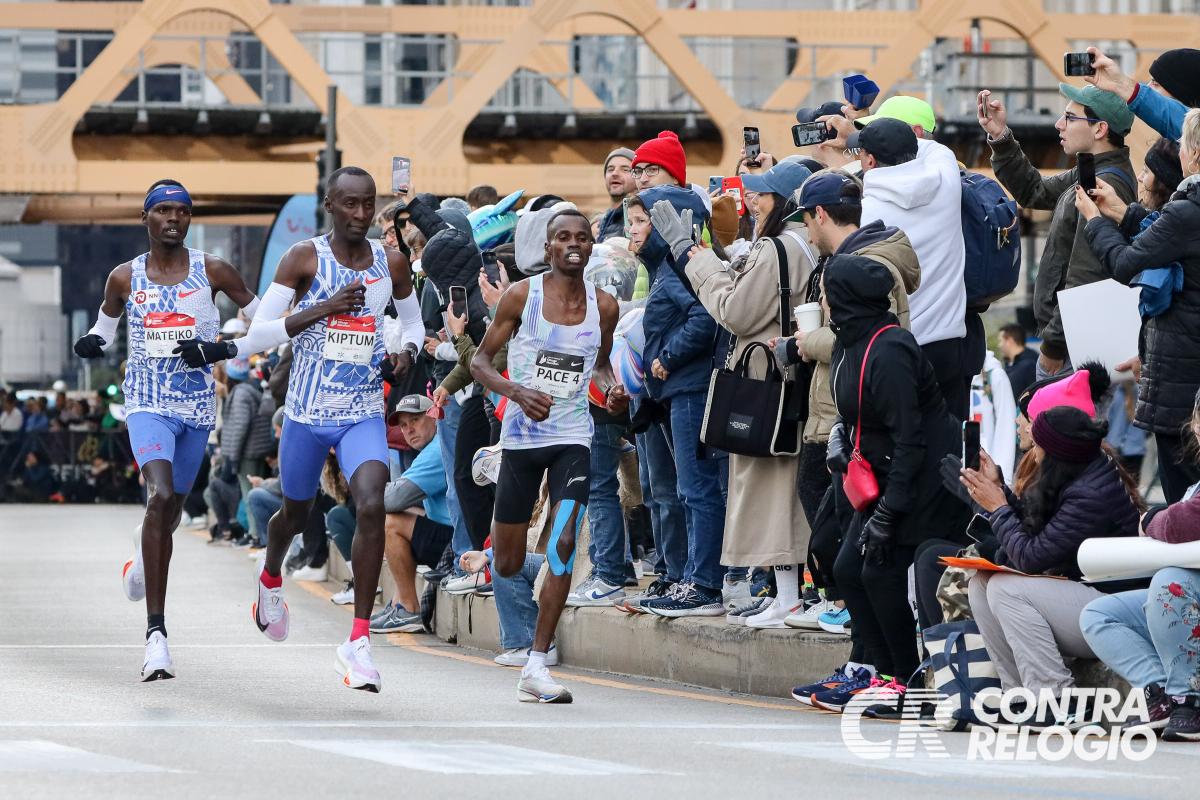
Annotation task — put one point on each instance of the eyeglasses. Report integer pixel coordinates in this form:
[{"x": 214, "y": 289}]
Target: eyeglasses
[
  {"x": 1069, "y": 117},
  {"x": 650, "y": 170}
]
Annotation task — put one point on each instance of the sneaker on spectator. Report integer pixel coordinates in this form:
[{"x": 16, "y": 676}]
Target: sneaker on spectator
[
  {"x": 466, "y": 583},
  {"x": 835, "y": 699},
  {"x": 346, "y": 596},
  {"x": 649, "y": 559},
  {"x": 1159, "y": 707},
  {"x": 806, "y": 618},
  {"x": 632, "y": 604},
  {"x": 486, "y": 590},
  {"x": 594, "y": 591},
  {"x": 398, "y": 620},
  {"x": 1185, "y": 721},
  {"x": 540, "y": 687},
  {"x": 689, "y": 600},
  {"x": 836, "y": 621},
  {"x": 354, "y": 664},
  {"x": 519, "y": 657},
  {"x": 734, "y": 591},
  {"x": 312, "y": 574},
  {"x": 745, "y": 608},
  {"x": 838, "y": 679},
  {"x": 771, "y": 616}
]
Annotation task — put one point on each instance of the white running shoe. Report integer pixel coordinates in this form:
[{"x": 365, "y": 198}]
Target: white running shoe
[
  {"x": 806, "y": 618},
  {"x": 733, "y": 592},
  {"x": 345, "y": 597},
  {"x": 539, "y": 687},
  {"x": 312, "y": 574},
  {"x": 465, "y": 584},
  {"x": 355, "y": 666},
  {"x": 771, "y": 617},
  {"x": 133, "y": 574},
  {"x": 519, "y": 657},
  {"x": 158, "y": 665},
  {"x": 595, "y": 592},
  {"x": 270, "y": 612},
  {"x": 485, "y": 465}
]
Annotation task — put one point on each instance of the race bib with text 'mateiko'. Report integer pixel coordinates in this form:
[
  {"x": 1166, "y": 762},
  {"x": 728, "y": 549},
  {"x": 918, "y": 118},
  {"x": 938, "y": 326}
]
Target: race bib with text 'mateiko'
[
  {"x": 349, "y": 338},
  {"x": 164, "y": 329},
  {"x": 559, "y": 375}
]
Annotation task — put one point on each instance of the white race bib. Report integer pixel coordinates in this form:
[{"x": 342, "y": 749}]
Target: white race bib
[
  {"x": 163, "y": 331},
  {"x": 349, "y": 338},
  {"x": 559, "y": 375}
]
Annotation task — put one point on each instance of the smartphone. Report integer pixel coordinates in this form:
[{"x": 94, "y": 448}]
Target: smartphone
[
  {"x": 810, "y": 133},
  {"x": 970, "y": 445},
  {"x": 985, "y": 106},
  {"x": 1078, "y": 64},
  {"x": 714, "y": 183},
  {"x": 1087, "y": 171},
  {"x": 401, "y": 174},
  {"x": 458, "y": 300},
  {"x": 753, "y": 146},
  {"x": 491, "y": 266},
  {"x": 625, "y": 201},
  {"x": 734, "y": 185}
]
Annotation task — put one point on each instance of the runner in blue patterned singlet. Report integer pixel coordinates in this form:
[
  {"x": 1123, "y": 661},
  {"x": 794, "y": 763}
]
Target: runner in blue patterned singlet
[
  {"x": 166, "y": 295},
  {"x": 340, "y": 285},
  {"x": 561, "y": 332}
]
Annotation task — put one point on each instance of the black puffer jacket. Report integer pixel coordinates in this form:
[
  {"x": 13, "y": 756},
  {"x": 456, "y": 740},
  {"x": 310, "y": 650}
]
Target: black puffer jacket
[
  {"x": 451, "y": 258},
  {"x": 906, "y": 429},
  {"x": 1171, "y": 341},
  {"x": 1094, "y": 505}
]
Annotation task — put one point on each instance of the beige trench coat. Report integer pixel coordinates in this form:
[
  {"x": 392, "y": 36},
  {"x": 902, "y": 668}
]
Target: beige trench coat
[{"x": 764, "y": 522}]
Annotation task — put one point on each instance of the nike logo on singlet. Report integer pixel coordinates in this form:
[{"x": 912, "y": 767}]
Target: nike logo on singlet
[
  {"x": 187, "y": 294},
  {"x": 377, "y": 280}
]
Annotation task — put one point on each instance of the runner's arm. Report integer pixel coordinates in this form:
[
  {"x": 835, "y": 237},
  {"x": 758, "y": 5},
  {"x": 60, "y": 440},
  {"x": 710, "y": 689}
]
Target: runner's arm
[
  {"x": 508, "y": 317},
  {"x": 408, "y": 307},
  {"x": 224, "y": 277},
  {"x": 116, "y": 290}
]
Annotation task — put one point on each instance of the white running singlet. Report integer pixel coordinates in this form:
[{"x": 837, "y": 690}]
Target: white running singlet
[
  {"x": 158, "y": 317},
  {"x": 335, "y": 369},
  {"x": 558, "y": 360}
]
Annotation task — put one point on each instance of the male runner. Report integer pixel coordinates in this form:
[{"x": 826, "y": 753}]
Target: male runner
[
  {"x": 561, "y": 330},
  {"x": 335, "y": 395},
  {"x": 167, "y": 295}
]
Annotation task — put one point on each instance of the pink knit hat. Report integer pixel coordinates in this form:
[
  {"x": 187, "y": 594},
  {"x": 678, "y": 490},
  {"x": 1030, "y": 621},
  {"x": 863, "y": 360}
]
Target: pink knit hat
[{"x": 1075, "y": 391}]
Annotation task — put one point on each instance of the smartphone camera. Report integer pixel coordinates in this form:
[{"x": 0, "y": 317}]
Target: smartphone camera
[
  {"x": 1078, "y": 64},
  {"x": 970, "y": 445},
  {"x": 458, "y": 300},
  {"x": 753, "y": 147},
  {"x": 1087, "y": 171},
  {"x": 810, "y": 133}
]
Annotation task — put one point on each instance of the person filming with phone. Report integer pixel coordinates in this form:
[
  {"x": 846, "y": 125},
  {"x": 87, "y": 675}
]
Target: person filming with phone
[{"x": 1092, "y": 128}]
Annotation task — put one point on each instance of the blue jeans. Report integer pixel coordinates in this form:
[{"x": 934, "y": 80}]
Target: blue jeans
[
  {"x": 699, "y": 482},
  {"x": 660, "y": 494},
  {"x": 448, "y": 434},
  {"x": 608, "y": 543},
  {"x": 260, "y": 506},
  {"x": 339, "y": 526},
  {"x": 1150, "y": 635},
  {"x": 515, "y": 606}
]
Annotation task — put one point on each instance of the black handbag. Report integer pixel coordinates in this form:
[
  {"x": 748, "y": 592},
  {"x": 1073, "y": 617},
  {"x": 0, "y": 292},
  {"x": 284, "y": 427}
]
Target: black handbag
[{"x": 759, "y": 417}]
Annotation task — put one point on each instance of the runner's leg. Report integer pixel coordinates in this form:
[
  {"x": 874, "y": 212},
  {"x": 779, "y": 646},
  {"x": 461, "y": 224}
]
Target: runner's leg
[
  {"x": 362, "y": 454},
  {"x": 301, "y": 457},
  {"x": 570, "y": 484}
]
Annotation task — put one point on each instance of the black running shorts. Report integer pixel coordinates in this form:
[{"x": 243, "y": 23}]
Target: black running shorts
[{"x": 520, "y": 481}]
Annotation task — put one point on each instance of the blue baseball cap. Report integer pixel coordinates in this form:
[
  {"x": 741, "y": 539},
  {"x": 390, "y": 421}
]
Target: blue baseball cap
[
  {"x": 783, "y": 179},
  {"x": 833, "y": 188}
]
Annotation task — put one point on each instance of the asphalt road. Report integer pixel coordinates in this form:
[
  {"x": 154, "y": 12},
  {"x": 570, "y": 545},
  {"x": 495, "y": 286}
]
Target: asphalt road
[{"x": 250, "y": 718}]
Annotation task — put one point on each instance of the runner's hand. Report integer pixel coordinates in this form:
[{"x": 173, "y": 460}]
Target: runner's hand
[
  {"x": 197, "y": 352},
  {"x": 617, "y": 401},
  {"x": 89, "y": 346},
  {"x": 349, "y": 298},
  {"x": 387, "y": 369},
  {"x": 536, "y": 405},
  {"x": 402, "y": 363}
]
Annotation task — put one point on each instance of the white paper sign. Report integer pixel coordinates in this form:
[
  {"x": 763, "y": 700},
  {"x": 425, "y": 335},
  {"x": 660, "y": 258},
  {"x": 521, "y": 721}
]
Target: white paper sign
[{"x": 1101, "y": 323}]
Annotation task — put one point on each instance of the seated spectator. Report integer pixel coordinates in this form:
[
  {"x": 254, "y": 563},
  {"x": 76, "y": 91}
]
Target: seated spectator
[
  {"x": 265, "y": 496},
  {"x": 36, "y": 420},
  {"x": 1020, "y": 363},
  {"x": 1075, "y": 490},
  {"x": 223, "y": 496},
  {"x": 36, "y": 482},
  {"x": 515, "y": 607},
  {"x": 417, "y": 526}
]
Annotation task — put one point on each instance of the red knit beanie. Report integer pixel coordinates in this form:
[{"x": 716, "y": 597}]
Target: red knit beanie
[{"x": 667, "y": 152}]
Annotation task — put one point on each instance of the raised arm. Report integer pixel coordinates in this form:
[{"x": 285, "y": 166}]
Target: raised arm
[{"x": 408, "y": 310}]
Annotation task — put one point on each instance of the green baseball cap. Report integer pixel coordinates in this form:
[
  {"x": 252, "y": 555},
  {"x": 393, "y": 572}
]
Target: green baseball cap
[
  {"x": 1108, "y": 106},
  {"x": 912, "y": 110}
]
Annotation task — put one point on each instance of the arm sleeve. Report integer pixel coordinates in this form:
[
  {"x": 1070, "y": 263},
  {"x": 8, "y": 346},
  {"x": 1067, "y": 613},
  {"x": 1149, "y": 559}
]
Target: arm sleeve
[
  {"x": 401, "y": 494},
  {"x": 412, "y": 326},
  {"x": 267, "y": 328},
  {"x": 106, "y": 329},
  {"x": 251, "y": 308}
]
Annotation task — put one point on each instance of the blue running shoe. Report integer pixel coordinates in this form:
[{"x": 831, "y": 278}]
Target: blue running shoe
[
  {"x": 837, "y": 621},
  {"x": 838, "y": 678},
  {"x": 835, "y": 699}
]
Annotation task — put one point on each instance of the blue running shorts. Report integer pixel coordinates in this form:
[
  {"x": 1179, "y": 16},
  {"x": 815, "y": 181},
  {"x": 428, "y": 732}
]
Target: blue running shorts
[
  {"x": 157, "y": 437},
  {"x": 302, "y": 451}
]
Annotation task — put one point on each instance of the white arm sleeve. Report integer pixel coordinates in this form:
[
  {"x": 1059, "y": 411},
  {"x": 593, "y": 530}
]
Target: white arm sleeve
[
  {"x": 106, "y": 329},
  {"x": 411, "y": 324},
  {"x": 251, "y": 308},
  {"x": 267, "y": 328},
  {"x": 392, "y": 335}
]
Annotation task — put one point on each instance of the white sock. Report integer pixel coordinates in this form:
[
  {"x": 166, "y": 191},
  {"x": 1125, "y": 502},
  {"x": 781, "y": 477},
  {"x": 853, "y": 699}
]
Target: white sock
[
  {"x": 787, "y": 585},
  {"x": 537, "y": 663}
]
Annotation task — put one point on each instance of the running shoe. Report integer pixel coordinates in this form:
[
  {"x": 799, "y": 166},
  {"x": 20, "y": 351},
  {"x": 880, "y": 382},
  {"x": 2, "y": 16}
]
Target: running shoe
[
  {"x": 133, "y": 574},
  {"x": 539, "y": 687},
  {"x": 745, "y": 608},
  {"x": 486, "y": 590},
  {"x": 836, "y": 621},
  {"x": 835, "y": 699},
  {"x": 771, "y": 616},
  {"x": 270, "y": 611},
  {"x": 632, "y": 604},
  {"x": 1159, "y": 708},
  {"x": 345, "y": 597},
  {"x": 355, "y": 666},
  {"x": 1185, "y": 721},
  {"x": 485, "y": 465},
  {"x": 466, "y": 583},
  {"x": 806, "y": 618},
  {"x": 689, "y": 601},
  {"x": 839, "y": 678},
  {"x": 595, "y": 591},
  {"x": 312, "y": 574},
  {"x": 732, "y": 592},
  {"x": 519, "y": 657},
  {"x": 158, "y": 664},
  {"x": 398, "y": 619}
]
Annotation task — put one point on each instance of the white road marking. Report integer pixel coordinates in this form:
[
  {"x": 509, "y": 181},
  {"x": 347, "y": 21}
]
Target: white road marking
[
  {"x": 400, "y": 724},
  {"x": 467, "y": 758},
  {"x": 35, "y": 755}
]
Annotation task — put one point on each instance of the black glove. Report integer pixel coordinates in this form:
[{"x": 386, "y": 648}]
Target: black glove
[
  {"x": 837, "y": 454},
  {"x": 90, "y": 345},
  {"x": 387, "y": 369},
  {"x": 197, "y": 352},
  {"x": 878, "y": 536},
  {"x": 228, "y": 470},
  {"x": 951, "y": 471},
  {"x": 390, "y": 309}
]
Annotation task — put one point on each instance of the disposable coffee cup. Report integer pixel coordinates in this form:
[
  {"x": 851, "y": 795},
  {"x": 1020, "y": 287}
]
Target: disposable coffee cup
[{"x": 808, "y": 317}]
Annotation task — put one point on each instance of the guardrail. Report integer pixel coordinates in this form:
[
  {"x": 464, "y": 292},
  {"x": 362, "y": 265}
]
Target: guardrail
[{"x": 86, "y": 466}]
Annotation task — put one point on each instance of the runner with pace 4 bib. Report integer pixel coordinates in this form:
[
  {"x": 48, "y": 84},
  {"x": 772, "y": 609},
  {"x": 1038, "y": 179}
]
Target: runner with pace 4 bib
[
  {"x": 561, "y": 329},
  {"x": 167, "y": 295},
  {"x": 335, "y": 395}
]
